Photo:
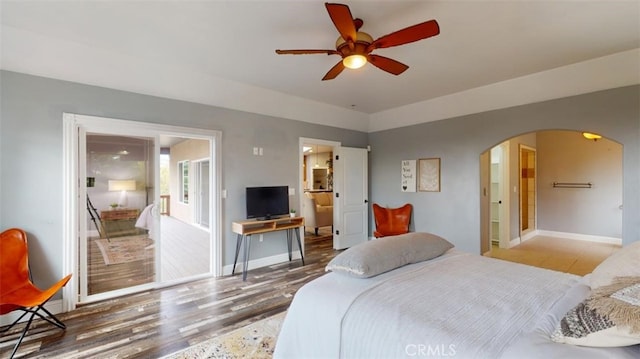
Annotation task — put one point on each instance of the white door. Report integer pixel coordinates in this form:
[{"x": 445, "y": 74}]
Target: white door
[
  {"x": 202, "y": 193},
  {"x": 499, "y": 195},
  {"x": 350, "y": 203}
]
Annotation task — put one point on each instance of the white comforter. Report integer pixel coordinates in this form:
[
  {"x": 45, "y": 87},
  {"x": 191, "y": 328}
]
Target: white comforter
[{"x": 459, "y": 305}]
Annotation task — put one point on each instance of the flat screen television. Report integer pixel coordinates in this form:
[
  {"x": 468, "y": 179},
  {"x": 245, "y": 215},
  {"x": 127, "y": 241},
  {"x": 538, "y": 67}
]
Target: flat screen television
[{"x": 267, "y": 202}]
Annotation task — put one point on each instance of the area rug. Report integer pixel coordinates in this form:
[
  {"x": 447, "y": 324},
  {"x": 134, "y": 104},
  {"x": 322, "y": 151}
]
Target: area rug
[
  {"x": 256, "y": 340},
  {"x": 125, "y": 249}
]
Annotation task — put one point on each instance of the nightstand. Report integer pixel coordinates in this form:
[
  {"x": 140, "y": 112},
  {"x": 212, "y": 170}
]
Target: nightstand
[{"x": 120, "y": 222}]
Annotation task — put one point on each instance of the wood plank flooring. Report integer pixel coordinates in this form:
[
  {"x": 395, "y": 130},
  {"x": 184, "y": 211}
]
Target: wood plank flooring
[
  {"x": 159, "y": 322},
  {"x": 184, "y": 253},
  {"x": 185, "y": 249}
]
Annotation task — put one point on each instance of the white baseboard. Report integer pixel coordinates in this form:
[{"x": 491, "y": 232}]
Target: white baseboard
[
  {"x": 54, "y": 306},
  {"x": 260, "y": 262},
  {"x": 514, "y": 242},
  {"x": 578, "y": 236}
]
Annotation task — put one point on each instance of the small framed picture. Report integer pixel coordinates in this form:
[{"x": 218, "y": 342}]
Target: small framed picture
[{"x": 429, "y": 175}]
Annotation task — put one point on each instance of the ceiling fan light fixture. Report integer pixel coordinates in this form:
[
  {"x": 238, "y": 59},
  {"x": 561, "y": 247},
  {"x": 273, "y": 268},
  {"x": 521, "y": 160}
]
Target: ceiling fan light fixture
[{"x": 354, "y": 61}]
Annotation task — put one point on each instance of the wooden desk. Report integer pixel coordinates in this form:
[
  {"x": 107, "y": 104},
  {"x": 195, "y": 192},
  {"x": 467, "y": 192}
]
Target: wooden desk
[
  {"x": 244, "y": 230},
  {"x": 117, "y": 222}
]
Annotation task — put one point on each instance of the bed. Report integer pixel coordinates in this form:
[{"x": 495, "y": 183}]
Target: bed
[{"x": 450, "y": 304}]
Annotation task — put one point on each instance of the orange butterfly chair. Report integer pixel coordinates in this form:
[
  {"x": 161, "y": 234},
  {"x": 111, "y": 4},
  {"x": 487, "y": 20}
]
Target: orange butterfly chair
[
  {"x": 17, "y": 292},
  {"x": 391, "y": 221}
]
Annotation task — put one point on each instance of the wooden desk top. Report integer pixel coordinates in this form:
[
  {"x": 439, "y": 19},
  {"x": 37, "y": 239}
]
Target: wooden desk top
[{"x": 248, "y": 227}]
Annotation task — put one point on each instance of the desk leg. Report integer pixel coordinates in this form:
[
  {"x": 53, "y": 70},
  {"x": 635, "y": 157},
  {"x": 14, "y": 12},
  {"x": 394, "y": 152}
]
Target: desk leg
[
  {"x": 247, "y": 247},
  {"x": 238, "y": 243},
  {"x": 299, "y": 245},
  {"x": 289, "y": 240}
]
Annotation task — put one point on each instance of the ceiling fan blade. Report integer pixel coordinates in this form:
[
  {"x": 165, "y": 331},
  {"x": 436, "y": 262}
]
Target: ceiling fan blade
[
  {"x": 335, "y": 71},
  {"x": 410, "y": 34},
  {"x": 386, "y": 64},
  {"x": 305, "y": 52},
  {"x": 343, "y": 21}
]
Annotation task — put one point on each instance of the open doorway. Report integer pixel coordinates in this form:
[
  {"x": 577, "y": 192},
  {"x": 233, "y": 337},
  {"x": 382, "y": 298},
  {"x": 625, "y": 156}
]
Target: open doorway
[
  {"x": 346, "y": 192},
  {"x": 561, "y": 185},
  {"x": 317, "y": 173}
]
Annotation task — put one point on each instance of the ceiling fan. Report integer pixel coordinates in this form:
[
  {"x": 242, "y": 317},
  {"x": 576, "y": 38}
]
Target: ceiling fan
[{"x": 355, "y": 46}]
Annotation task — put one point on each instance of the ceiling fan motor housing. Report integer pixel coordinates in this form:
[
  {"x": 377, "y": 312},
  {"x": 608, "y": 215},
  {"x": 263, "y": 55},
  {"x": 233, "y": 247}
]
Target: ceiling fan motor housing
[{"x": 363, "y": 40}]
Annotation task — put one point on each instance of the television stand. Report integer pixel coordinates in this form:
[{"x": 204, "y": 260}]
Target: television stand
[{"x": 245, "y": 229}]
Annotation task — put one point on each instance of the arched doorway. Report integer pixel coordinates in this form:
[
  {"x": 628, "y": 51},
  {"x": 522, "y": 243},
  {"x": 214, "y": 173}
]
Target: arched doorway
[{"x": 564, "y": 185}]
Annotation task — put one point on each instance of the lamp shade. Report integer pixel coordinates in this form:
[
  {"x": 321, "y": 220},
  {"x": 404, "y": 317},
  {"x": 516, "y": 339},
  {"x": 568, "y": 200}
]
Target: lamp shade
[{"x": 122, "y": 185}]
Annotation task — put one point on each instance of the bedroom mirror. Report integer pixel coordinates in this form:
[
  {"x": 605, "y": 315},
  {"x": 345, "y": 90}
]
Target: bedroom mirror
[{"x": 519, "y": 201}]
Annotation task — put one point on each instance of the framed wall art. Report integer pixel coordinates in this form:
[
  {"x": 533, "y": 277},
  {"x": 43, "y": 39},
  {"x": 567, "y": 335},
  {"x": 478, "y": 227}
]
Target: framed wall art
[{"x": 429, "y": 175}]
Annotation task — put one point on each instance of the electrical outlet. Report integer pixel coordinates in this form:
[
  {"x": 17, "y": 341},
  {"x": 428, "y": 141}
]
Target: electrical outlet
[
  {"x": 256, "y": 151},
  {"x": 261, "y": 238},
  {"x": 260, "y": 151}
]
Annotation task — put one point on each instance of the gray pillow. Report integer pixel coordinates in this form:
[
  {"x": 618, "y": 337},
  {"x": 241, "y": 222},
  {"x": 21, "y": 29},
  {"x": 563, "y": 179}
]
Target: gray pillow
[{"x": 384, "y": 254}]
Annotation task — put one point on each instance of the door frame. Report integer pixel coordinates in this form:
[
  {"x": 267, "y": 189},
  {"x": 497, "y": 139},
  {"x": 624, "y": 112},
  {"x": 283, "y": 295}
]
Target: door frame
[{"x": 73, "y": 192}]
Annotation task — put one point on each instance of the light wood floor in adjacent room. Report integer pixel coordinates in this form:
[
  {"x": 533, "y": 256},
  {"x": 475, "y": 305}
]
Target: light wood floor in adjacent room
[
  {"x": 559, "y": 254},
  {"x": 159, "y": 322}
]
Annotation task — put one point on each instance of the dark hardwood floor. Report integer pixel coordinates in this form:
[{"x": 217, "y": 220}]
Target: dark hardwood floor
[{"x": 159, "y": 322}]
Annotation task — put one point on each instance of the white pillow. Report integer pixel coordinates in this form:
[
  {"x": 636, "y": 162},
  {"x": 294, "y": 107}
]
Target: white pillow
[
  {"x": 610, "y": 317},
  {"x": 623, "y": 263},
  {"x": 611, "y": 337},
  {"x": 374, "y": 257}
]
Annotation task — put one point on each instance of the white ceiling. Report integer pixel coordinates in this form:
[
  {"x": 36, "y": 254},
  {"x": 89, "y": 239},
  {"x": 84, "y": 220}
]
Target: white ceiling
[{"x": 219, "y": 45}]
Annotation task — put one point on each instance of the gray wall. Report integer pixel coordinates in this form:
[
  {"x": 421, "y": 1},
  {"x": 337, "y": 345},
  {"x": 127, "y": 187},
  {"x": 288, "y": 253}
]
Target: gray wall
[
  {"x": 454, "y": 213},
  {"x": 568, "y": 157},
  {"x": 31, "y": 155}
]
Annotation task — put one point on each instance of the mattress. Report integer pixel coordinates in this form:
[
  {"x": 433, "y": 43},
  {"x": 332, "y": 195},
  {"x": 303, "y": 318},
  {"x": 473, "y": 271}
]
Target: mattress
[{"x": 458, "y": 304}]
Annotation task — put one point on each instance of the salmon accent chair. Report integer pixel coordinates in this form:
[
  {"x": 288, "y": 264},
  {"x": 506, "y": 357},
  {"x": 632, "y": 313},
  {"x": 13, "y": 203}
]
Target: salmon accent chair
[
  {"x": 391, "y": 221},
  {"x": 17, "y": 292}
]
